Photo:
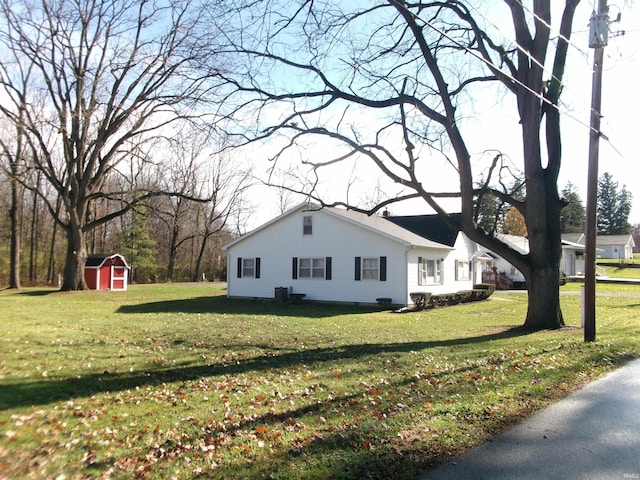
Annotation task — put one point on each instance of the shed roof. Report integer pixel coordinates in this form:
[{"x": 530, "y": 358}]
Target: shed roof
[{"x": 98, "y": 259}]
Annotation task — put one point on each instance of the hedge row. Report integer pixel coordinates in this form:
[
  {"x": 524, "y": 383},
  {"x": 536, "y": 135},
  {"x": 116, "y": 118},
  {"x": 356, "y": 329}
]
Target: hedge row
[{"x": 479, "y": 292}]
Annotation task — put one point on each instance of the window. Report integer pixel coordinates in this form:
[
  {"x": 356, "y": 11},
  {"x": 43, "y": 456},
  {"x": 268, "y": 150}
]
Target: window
[
  {"x": 307, "y": 225},
  {"x": 313, "y": 268},
  {"x": 429, "y": 272},
  {"x": 371, "y": 268},
  {"x": 249, "y": 267},
  {"x": 463, "y": 270}
]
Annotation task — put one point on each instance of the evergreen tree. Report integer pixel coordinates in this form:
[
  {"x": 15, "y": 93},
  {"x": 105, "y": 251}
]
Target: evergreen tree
[
  {"x": 620, "y": 224},
  {"x": 572, "y": 217},
  {"x": 489, "y": 213},
  {"x": 613, "y": 207},
  {"x": 139, "y": 248}
]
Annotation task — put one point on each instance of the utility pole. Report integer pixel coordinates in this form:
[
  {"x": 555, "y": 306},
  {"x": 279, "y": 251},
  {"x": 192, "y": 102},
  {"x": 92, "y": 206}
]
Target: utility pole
[{"x": 598, "y": 38}]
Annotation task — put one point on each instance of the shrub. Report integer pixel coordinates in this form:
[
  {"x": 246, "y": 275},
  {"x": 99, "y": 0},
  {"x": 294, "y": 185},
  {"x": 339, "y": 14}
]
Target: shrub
[
  {"x": 467, "y": 296},
  {"x": 420, "y": 299},
  {"x": 490, "y": 287}
]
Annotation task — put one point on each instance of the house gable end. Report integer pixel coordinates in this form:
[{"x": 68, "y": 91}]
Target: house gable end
[{"x": 374, "y": 224}]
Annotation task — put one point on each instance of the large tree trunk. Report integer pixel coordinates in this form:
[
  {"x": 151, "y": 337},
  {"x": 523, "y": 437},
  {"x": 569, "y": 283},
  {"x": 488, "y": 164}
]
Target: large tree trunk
[
  {"x": 545, "y": 248},
  {"x": 75, "y": 260},
  {"x": 543, "y": 308},
  {"x": 542, "y": 203},
  {"x": 543, "y": 300}
]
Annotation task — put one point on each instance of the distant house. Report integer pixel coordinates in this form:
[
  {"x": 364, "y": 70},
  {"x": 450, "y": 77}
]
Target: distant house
[
  {"x": 338, "y": 255},
  {"x": 619, "y": 247},
  {"x": 106, "y": 272},
  {"x": 504, "y": 274},
  {"x": 571, "y": 260}
]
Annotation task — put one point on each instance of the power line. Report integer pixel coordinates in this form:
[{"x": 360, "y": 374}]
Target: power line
[
  {"x": 523, "y": 50},
  {"x": 491, "y": 65},
  {"x": 569, "y": 42},
  {"x": 549, "y": 26},
  {"x": 510, "y": 77}
]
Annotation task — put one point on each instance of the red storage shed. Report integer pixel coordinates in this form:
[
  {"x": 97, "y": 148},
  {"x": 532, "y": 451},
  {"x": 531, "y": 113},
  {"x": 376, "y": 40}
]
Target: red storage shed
[{"x": 106, "y": 272}]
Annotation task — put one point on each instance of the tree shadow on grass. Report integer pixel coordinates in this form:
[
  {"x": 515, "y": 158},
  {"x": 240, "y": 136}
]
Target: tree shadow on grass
[
  {"x": 53, "y": 390},
  {"x": 38, "y": 293},
  {"x": 631, "y": 305},
  {"x": 222, "y": 304}
]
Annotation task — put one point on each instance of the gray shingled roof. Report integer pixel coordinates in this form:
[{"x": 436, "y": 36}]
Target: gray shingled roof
[
  {"x": 384, "y": 226},
  {"x": 374, "y": 223},
  {"x": 615, "y": 240}
]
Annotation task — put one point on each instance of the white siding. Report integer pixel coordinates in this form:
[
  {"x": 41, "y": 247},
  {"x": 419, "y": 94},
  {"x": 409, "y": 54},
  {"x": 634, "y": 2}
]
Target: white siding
[
  {"x": 571, "y": 262},
  {"x": 279, "y": 242},
  {"x": 616, "y": 251},
  {"x": 509, "y": 270},
  {"x": 463, "y": 251}
]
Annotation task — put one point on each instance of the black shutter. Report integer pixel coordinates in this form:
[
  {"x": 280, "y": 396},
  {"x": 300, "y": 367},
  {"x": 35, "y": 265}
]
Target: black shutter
[
  {"x": 327, "y": 268},
  {"x": 357, "y": 269},
  {"x": 294, "y": 269},
  {"x": 257, "y": 267},
  {"x": 239, "y": 267},
  {"x": 383, "y": 269},
  {"x": 420, "y": 268}
]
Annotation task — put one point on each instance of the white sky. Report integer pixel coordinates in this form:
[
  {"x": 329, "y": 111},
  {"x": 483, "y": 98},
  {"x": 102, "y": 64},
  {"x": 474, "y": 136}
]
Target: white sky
[{"x": 620, "y": 106}]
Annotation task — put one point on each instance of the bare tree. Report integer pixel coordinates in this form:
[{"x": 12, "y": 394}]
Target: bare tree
[
  {"x": 198, "y": 170},
  {"x": 390, "y": 85},
  {"x": 227, "y": 186},
  {"x": 176, "y": 212},
  {"x": 104, "y": 77},
  {"x": 12, "y": 152}
]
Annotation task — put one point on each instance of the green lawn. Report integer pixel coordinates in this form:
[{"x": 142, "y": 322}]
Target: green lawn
[
  {"x": 622, "y": 272},
  {"x": 623, "y": 269},
  {"x": 176, "y": 381}
]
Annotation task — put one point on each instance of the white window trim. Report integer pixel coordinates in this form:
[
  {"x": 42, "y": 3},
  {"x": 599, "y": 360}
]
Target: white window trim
[
  {"x": 463, "y": 267},
  {"x": 374, "y": 272},
  {"x": 312, "y": 269},
  {"x": 307, "y": 223},
  {"x": 423, "y": 269},
  {"x": 248, "y": 271}
]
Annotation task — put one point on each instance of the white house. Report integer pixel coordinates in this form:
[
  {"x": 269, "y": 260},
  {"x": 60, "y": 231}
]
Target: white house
[
  {"x": 332, "y": 254},
  {"x": 518, "y": 243},
  {"x": 571, "y": 260},
  {"x": 618, "y": 247}
]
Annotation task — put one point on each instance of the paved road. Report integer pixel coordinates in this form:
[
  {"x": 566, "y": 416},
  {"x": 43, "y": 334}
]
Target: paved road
[{"x": 592, "y": 434}]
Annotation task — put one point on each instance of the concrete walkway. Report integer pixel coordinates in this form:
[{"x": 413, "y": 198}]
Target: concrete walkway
[{"x": 592, "y": 434}]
